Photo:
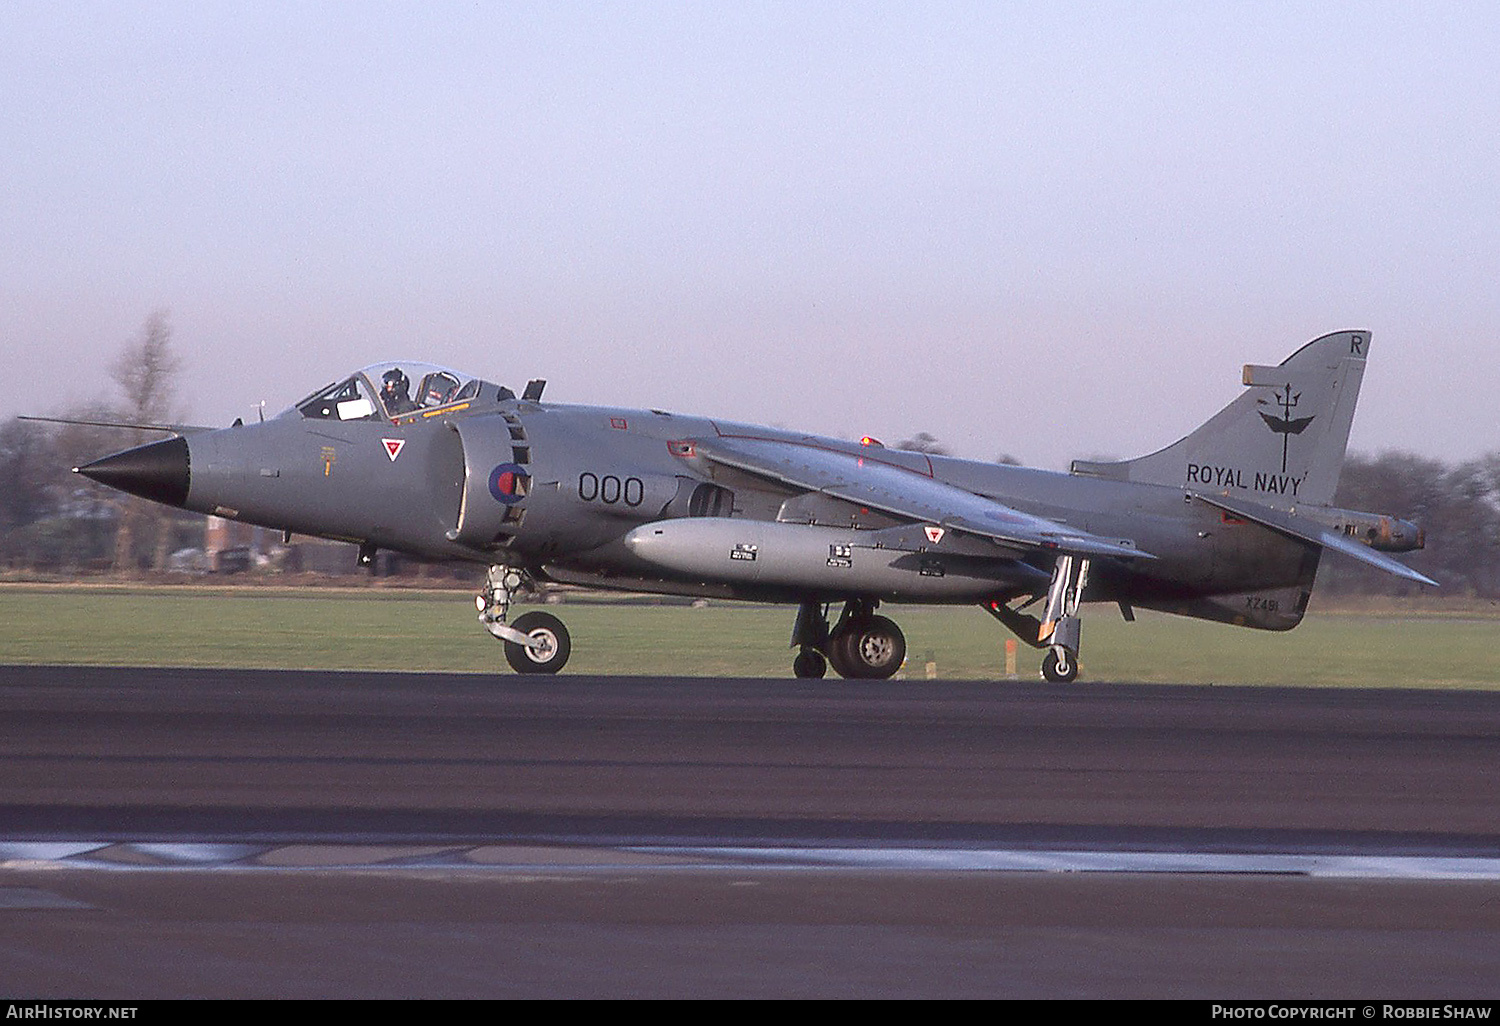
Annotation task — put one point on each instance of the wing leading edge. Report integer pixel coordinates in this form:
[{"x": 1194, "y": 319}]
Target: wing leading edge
[{"x": 905, "y": 493}]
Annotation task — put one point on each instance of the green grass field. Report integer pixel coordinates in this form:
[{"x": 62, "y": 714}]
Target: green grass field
[{"x": 398, "y": 629}]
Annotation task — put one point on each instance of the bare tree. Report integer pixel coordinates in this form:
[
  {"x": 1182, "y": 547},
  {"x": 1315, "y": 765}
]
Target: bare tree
[{"x": 146, "y": 371}]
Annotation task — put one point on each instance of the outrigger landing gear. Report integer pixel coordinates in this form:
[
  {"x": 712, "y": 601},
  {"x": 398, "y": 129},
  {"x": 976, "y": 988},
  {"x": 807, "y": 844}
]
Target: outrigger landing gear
[
  {"x": 861, "y": 646},
  {"x": 537, "y": 642},
  {"x": 1061, "y": 629}
]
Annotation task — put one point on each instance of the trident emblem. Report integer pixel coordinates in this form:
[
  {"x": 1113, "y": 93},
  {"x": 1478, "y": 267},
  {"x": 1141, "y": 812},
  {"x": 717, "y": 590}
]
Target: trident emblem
[{"x": 1284, "y": 425}]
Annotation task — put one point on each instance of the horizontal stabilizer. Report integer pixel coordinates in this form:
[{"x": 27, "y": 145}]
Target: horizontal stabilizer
[{"x": 1309, "y": 530}]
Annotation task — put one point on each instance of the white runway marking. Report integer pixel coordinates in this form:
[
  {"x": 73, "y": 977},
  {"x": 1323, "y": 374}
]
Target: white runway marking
[
  {"x": 1404, "y": 867},
  {"x": 498, "y": 857}
]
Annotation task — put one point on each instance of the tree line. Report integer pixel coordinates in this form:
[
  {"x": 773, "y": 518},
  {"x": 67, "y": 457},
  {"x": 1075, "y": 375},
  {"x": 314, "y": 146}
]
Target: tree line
[{"x": 1456, "y": 504}]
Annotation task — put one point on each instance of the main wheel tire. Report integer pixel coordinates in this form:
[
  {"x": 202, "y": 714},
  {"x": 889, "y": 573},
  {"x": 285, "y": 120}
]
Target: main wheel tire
[
  {"x": 1057, "y": 671},
  {"x": 871, "y": 648},
  {"x": 810, "y": 663},
  {"x": 550, "y": 655},
  {"x": 835, "y": 648}
]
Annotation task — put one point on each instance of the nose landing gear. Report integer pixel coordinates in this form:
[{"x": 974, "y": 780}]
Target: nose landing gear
[{"x": 537, "y": 642}]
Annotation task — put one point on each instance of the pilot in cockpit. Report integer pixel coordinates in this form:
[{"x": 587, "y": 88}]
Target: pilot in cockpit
[{"x": 395, "y": 392}]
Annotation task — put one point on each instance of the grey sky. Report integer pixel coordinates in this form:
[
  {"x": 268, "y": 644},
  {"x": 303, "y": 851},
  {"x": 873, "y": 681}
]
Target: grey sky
[{"x": 1046, "y": 229}]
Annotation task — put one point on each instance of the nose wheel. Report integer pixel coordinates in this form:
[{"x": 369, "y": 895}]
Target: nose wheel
[
  {"x": 537, "y": 642},
  {"x": 547, "y": 644}
]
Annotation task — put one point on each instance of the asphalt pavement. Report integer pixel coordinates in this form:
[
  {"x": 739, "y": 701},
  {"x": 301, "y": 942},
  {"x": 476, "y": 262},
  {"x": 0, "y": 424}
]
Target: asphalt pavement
[{"x": 175, "y": 833}]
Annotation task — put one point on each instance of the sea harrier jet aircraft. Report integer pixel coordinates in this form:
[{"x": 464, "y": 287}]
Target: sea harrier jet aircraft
[{"x": 1227, "y": 524}]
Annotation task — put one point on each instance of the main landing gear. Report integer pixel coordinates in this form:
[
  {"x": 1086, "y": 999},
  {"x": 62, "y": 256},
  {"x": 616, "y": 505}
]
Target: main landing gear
[
  {"x": 860, "y": 646},
  {"x": 537, "y": 642}
]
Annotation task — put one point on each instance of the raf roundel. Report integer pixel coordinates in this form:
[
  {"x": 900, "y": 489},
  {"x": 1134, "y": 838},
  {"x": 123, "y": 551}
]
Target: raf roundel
[{"x": 507, "y": 483}]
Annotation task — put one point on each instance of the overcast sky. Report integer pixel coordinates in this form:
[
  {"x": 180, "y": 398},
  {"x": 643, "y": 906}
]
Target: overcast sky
[{"x": 1043, "y": 229}]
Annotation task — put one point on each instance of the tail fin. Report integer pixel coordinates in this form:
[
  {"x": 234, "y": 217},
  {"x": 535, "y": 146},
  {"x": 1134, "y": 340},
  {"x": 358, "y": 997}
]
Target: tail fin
[{"x": 1281, "y": 443}]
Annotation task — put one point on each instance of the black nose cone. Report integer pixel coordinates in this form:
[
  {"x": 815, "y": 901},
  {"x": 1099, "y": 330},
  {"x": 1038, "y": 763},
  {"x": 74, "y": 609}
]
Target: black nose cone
[{"x": 158, "y": 471}]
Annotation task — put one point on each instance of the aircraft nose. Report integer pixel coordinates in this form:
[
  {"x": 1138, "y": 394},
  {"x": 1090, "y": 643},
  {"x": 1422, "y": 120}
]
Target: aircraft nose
[{"x": 157, "y": 471}]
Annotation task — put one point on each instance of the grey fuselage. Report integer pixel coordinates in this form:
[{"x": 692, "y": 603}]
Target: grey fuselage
[{"x": 559, "y": 488}]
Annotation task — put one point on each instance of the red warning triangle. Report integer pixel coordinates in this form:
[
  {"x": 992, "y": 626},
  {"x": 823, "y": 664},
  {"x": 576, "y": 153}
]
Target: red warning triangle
[{"x": 393, "y": 447}]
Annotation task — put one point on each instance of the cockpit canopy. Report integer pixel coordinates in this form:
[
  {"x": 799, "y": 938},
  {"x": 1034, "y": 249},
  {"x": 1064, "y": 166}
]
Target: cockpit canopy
[{"x": 396, "y": 390}]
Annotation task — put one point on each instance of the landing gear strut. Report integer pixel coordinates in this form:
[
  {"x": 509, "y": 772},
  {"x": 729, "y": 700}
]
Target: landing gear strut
[
  {"x": 861, "y": 646},
  {"x": 1061, "y": 629},
  {"x": 809, "y": 636},
  {"x": 537, "y": 642}
]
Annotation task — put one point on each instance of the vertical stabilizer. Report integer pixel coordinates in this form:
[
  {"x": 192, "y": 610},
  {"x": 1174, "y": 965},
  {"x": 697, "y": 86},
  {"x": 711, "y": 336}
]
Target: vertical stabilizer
[{"x": 1281, "y": 443}]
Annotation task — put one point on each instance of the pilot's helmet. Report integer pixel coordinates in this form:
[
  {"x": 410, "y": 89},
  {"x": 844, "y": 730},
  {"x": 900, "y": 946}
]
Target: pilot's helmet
[{"x": 393, "y": 382}]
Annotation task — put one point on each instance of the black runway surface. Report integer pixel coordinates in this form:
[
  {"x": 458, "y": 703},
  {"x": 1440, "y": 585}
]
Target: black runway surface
[{"x": 478, "y": 836}]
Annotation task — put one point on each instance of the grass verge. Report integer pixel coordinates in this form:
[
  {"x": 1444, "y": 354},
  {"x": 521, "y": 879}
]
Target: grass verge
[{"x": 437, "y": 630}]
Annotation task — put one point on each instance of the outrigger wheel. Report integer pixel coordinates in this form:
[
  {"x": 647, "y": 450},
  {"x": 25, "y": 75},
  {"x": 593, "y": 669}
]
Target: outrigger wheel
[
  {"x": 1059, "y": 666},
  {"x": 549, "y": 646}
]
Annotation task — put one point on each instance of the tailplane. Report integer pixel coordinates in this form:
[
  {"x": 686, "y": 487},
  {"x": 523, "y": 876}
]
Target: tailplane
[{"x": 1281, "y": 443}]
